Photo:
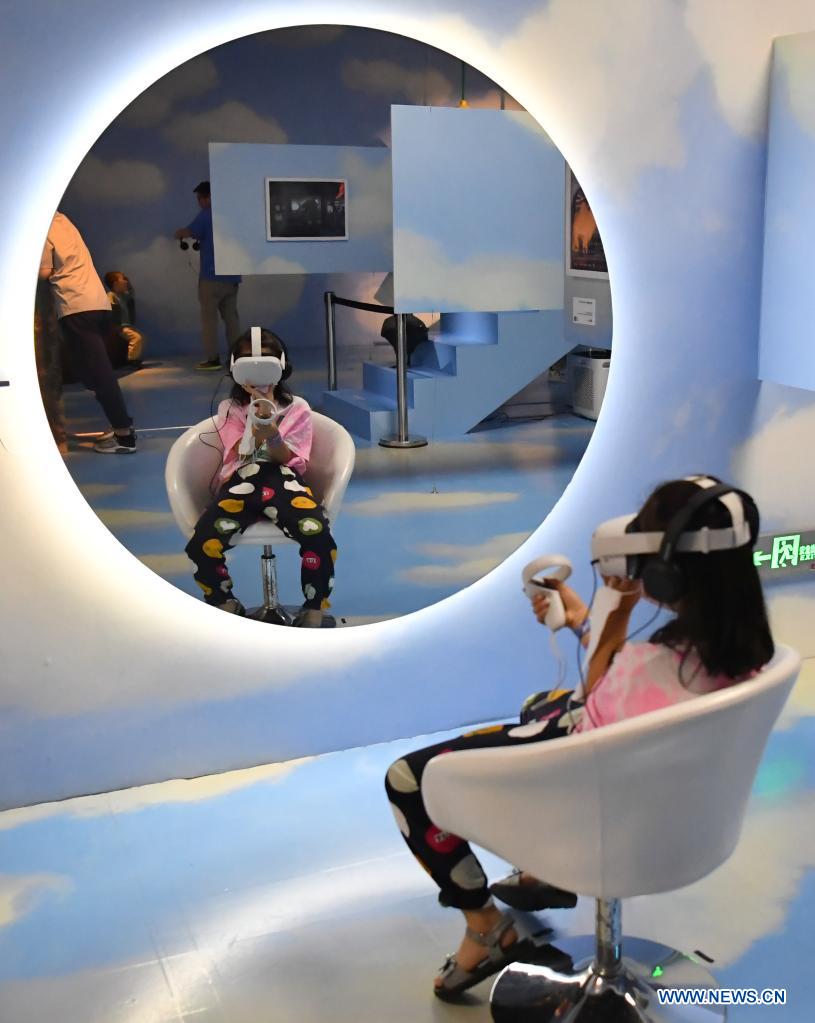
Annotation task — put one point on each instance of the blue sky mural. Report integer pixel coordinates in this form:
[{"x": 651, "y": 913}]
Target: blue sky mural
[
  {"x": 320, "y": 86},
  {"x": 478, "y": 211},
  {"x": 660, "y": 109}
]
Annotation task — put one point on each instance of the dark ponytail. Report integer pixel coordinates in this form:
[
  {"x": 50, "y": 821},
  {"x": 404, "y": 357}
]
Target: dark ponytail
[{"x": 721, "y": 614}]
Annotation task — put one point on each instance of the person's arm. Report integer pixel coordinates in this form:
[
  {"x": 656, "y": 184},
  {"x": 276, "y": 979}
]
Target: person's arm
[
  {"x": 47, "y": 260},
  {"x": 576, "y": 611},
  {"x": 615, "y": 629},
  {"x": 193, "y": 230}
]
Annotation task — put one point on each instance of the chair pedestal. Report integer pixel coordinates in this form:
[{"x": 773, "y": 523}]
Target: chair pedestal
[
  {"x": 271, "y": 611},
  {"x": 603, "y": 985}
]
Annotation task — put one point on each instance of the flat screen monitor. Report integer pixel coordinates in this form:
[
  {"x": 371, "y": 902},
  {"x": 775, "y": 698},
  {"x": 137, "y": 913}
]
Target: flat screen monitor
[{"x": 306, "y": 209}]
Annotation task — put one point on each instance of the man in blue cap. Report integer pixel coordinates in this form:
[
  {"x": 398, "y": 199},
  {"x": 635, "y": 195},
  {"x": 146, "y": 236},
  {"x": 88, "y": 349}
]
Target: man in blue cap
[{"x": 217, "y": 293}]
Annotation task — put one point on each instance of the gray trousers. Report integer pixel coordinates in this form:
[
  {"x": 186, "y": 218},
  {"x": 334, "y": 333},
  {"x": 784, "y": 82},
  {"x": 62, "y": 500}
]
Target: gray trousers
[{"x": 216, "y": 297}]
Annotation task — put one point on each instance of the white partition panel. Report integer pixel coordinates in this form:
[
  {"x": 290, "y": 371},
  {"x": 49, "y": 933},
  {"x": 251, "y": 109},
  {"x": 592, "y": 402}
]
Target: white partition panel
[{"x": 478, "y": 211}]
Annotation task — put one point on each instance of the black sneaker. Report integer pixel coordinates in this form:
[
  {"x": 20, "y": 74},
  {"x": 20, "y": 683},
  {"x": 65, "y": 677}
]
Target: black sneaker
[
  {"x": 110, "y": 444},
  {"x": 209, "y": 364}
]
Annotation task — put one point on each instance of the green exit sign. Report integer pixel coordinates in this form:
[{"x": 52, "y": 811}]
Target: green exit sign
[{"x": 792, "y": 552}]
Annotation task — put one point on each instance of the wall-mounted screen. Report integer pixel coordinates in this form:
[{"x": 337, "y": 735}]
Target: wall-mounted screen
[
  {"x": 306, "y": 209},
  {"x": 584, "y": 246}
]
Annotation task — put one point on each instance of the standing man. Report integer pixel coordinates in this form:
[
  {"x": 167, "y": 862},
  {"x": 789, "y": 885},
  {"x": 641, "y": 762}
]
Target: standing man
[
  {"x": 84, "y": 315},
  {"x": 216, "y": 293}
]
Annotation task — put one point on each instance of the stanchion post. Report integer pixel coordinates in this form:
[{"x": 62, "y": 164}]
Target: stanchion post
[
  {"x": 402, "y": 438},
  {"x": 330, "y": 340}
]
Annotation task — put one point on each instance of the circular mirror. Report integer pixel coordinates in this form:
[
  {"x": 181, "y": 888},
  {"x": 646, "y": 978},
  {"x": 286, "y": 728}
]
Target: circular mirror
[{"x": 426, "y": 203}]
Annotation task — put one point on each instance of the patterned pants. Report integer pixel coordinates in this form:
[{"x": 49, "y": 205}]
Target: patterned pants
[
  {"x": 259, "y": 492},
  {"x": 447, "y": 858}
]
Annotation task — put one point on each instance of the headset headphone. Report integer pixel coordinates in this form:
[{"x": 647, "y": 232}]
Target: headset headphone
[
  {"x": 619, "y": 550},
  {"x": 257, "y": 369}
]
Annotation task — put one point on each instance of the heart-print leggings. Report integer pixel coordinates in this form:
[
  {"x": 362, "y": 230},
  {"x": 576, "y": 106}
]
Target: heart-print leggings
[
  {"x": 447, "y": 858},
  {"x": 259, "y": 492}
]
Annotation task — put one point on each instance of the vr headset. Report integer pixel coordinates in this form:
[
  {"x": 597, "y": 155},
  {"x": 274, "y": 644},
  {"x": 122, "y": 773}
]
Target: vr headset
[
  {"x": 618, "y": 550},
  {"x": 257, "y": 370}
]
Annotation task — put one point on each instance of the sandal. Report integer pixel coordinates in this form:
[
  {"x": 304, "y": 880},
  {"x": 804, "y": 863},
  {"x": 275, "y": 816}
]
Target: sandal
[
  {"x": 531, "y": 897},
  {"x": 455, "y": 980}
]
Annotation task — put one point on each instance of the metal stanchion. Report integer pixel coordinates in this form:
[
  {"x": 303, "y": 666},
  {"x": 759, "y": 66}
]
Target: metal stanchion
[
  {"x": 331, "y": 340},
  {"x": 402, "y": 439}
]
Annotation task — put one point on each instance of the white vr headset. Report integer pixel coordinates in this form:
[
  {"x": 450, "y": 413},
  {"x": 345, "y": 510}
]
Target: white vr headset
[
  {"x": 617, "y": 552},
  {"x": 257, "y": 370}
]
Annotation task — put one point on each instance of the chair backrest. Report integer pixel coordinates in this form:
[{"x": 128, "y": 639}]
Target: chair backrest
[
  {"x": 194, "y": 460},
  {"x": 642, "y": 806}
]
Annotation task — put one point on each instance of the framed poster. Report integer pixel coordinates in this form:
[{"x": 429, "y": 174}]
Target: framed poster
[
  {"x": 584, "y": 246},
  {"x": 306, "y": 209}
]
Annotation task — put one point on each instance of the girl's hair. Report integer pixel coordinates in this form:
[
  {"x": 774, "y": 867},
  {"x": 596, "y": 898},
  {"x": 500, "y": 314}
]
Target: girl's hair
[
  {"x": 270, "y": 344},
  {"x": 721, "y": 614}
]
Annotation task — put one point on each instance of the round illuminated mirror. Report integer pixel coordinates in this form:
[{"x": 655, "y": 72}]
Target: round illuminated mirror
[{"x": 339, "y": 188}]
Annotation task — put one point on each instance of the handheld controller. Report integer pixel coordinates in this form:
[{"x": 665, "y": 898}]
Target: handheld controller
[
  {"x": 549, "y": 566},
  {"x": 261, "y": 412}
]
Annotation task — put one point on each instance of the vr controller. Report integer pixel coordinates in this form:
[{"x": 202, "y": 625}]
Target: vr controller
[
  {"x": 261, "y": 412},
  {"x": 550, "y": 566}
]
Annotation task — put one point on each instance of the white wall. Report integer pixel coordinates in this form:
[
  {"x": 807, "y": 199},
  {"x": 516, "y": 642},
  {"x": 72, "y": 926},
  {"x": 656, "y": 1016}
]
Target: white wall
[{"x": 111, "y": 676}]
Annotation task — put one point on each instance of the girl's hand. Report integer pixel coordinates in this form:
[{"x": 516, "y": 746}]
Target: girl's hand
[
  {"x": 256, "y": 392},
  {"x": 630, "y": 590},
  {"x": 264, "y": 419},
  {"x": 265, "y": 431},
  {"x": 576, "y": 611},
  {"x": 618, "y": 582}
]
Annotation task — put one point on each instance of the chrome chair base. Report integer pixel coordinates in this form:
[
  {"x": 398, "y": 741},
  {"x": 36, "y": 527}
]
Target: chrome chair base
[
  {"x": 271, "y": 615},
  {"x": 529, "y": 993},
  {"x": 281, "y": 615}
]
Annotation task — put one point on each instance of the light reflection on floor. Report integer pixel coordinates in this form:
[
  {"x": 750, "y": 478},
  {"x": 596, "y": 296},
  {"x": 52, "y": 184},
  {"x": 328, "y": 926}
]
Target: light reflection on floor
[{"x": 284, "y": 894}]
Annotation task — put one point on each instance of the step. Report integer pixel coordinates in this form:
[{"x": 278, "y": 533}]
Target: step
[
  {"x": 382, "y": 379},
  {"x": 467, "y": 328},
  {"x": 357, "y": 409},
  {"x": 461, "y": 340}
]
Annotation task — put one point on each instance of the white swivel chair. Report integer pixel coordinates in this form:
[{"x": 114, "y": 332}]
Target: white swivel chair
[
  {"x": 638, "y": 807},
  {"x": 190, "y": 472}
]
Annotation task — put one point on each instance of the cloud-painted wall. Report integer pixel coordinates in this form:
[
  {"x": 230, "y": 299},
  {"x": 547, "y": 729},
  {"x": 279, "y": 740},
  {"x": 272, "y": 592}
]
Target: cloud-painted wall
[
  {"x": 478, "y": 211},
  {"x": 238, "y": 173},
  {"x": 110, "y": 675},
  {"x": 312, "y": 86},
  {"x": 787, "y": 354}
]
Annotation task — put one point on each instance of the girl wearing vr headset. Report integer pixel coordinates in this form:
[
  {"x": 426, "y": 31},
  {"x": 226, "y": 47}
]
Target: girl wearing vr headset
[
  {"x": 266, "y": 434},
  {"x": 689, "y": 551}
]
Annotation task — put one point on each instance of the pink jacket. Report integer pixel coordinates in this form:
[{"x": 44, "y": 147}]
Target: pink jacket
[
  {"x": 645, "y": 677},
  {"x": 295, "y": 432}
]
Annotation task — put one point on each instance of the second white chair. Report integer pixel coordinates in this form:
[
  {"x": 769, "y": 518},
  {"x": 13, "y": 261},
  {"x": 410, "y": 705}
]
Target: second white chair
[{"x": 192, "y": 467}]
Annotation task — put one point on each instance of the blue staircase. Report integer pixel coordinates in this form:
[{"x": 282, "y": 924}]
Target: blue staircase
[{"x": 475, "y": 363}]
